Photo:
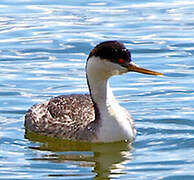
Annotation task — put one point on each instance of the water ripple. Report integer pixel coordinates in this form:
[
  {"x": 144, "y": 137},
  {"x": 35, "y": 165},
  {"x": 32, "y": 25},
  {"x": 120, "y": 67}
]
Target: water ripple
[{"x": 43, "y": 48}]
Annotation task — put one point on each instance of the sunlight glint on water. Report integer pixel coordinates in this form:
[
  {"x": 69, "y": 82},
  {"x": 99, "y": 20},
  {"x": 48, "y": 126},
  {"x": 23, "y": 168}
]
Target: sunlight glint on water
[{"x": 43, "y": 48}]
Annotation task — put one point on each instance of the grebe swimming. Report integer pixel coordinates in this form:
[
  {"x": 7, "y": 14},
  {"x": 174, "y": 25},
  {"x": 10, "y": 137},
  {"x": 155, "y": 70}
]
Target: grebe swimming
[{"x": 96, "y": 117}]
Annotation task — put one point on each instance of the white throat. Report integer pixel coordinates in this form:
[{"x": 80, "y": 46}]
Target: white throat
[{"x": 115, "y": 121}]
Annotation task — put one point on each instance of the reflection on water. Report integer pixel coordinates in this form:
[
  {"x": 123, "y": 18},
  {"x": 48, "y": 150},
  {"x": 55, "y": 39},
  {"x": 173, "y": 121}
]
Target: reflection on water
[
  {"x": 43, "y": 49},
  {"x": 105, "y": 159}
]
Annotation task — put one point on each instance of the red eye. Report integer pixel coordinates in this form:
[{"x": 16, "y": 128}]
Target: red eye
[{"x": 120, "y": 61}]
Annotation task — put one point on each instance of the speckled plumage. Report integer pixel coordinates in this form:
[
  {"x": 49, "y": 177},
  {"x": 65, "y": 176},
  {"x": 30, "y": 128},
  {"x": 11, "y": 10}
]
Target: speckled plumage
[{"x": 67, "y": 117}]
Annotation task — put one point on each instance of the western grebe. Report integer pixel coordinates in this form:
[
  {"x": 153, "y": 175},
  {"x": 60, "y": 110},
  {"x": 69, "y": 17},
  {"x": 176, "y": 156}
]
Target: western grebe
[{"x": 96, "y": 117}]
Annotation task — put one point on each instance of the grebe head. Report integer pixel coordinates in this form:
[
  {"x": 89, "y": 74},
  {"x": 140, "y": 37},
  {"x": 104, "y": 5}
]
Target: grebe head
[{"x": 112, "y": 58}]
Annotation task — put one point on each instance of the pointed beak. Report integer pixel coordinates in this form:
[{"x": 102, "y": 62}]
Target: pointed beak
[{"x": 133, "y": 67}]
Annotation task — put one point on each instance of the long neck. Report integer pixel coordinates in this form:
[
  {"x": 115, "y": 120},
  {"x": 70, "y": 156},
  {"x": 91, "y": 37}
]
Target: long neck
[{"x": 100, "y": 90}]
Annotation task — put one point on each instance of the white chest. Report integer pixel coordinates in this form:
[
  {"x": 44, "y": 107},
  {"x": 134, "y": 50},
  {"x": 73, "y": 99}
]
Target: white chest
[{"x": 115, "y": 125}]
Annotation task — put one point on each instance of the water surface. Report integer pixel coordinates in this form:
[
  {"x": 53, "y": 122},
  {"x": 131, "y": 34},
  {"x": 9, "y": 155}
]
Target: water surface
[{"x": 43, "y": 48}]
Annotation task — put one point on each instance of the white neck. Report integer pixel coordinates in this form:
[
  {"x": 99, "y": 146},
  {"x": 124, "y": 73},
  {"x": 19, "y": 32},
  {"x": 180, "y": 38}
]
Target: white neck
[
  {"x": 114, "y": 120},
  {"x": 100, "y": 90}
]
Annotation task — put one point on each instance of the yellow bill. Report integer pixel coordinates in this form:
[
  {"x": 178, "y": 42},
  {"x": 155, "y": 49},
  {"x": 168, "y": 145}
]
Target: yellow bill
[{"x": 135, "y": 68}]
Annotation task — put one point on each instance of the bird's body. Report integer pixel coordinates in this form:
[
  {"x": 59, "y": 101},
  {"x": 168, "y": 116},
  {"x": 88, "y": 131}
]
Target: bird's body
[
  {"x": 96, "y": 117},
  {"x": 58, "y": 117}
]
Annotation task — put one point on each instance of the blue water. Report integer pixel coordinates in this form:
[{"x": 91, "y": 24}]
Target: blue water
[{"x": 43, "y": 48}]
